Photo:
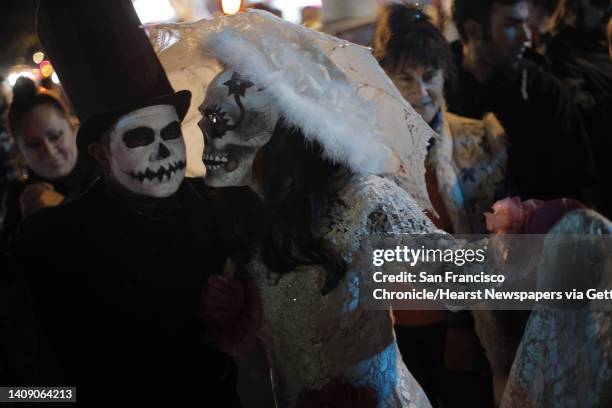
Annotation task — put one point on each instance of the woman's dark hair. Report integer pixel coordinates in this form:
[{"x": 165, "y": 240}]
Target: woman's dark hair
[
  {"x": 406, "y": 35},
  {"x": 25, "y": 98},
  {"x": 297, "y": 184}
]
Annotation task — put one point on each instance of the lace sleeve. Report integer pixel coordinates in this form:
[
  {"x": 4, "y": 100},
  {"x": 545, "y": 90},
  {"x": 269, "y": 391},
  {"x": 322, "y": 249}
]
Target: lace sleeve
[
  {"x": 395, "y": 218},
  {"x": 396, "y": 212}
]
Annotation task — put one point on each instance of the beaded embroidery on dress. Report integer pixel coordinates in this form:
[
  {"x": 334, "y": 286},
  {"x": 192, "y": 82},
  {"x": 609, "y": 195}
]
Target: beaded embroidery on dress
[{"x": 311, "y": 339}]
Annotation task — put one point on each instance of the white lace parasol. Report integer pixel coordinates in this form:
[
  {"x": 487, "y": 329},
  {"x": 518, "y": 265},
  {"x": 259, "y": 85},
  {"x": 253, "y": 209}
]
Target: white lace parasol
[{"x": 334, "y": 90}]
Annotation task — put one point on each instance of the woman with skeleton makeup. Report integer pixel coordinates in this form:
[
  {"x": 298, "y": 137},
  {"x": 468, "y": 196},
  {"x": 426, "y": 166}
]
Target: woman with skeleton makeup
[
  {"x": 282, "y": 119},
  {"x": 312, "y": 208}
]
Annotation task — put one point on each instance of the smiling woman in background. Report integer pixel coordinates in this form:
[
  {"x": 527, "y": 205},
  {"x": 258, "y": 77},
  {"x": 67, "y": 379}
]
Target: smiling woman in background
[
  {"x": 465, "y": 172},
  {"x": 46, "y": 140},
  {"x": 467, "y": 160}
]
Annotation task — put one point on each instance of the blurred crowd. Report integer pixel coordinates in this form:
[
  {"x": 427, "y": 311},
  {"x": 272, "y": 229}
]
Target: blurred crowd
[
  {"x": 536, "y": 73},
  {"x": 518, "y": 92}
]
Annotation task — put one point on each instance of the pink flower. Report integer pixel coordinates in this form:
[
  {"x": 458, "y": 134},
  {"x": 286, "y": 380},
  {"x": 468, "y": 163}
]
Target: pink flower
[{"x": 510, "y": 215}]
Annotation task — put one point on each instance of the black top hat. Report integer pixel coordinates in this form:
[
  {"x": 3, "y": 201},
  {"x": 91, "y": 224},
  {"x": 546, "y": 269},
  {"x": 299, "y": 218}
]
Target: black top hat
[{"x": 105, "y": 62}]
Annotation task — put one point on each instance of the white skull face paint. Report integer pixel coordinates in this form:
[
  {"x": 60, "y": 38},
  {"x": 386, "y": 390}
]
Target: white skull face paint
[
  {"x": 148, "y": 152},
  {"x": 238, "y": 119}
]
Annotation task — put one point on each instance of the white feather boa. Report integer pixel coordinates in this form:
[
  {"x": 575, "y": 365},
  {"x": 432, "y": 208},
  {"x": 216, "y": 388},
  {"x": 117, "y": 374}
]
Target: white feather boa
[{"x": 327, "y": 110}]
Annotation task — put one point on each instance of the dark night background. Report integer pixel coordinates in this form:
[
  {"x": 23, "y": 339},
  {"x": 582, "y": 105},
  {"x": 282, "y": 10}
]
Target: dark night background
[{"x": 17, "y": 31}]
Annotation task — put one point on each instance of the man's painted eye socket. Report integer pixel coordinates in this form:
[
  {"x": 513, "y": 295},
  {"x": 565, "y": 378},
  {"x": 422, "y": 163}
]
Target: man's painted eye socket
[
  {"x": 141, "y": 136},
  {"x": 171, "y": 131},
  {"x": 215, "y": 121}
]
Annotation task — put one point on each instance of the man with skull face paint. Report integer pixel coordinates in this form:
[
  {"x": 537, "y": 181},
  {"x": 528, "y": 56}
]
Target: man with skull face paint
[
  {"x": 144, "y": 152},
  {"x": 119, "y": 316}
]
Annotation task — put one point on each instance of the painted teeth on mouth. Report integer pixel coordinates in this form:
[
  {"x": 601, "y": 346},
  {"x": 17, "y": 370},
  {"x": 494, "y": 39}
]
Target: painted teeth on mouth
[
  {"x": 213, "y": 159},
  {"x": 214, "y": 165},
  {"x": 162, "y": 172}
]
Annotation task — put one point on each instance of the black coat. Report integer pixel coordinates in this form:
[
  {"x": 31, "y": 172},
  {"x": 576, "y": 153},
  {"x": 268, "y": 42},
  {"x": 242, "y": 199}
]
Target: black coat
[
  {"x": 115, "y": 288},
  {"x": 583, "y": 64},
  {"x": 549, "y": 154}
]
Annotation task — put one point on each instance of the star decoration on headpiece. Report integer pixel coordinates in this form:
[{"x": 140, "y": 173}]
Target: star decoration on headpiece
[{"x": 237, "y": 85}]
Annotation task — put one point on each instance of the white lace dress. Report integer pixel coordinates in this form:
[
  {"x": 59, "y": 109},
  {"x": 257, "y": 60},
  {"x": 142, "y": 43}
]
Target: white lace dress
[
  {"x": 565, "y": 356},
  {"x": 311, "y": 339}
]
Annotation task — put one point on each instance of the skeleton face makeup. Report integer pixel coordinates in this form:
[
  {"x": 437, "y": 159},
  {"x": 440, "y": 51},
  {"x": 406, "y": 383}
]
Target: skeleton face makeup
[
  {"x": 148, "y": 152},
  {"x": 237, "y": 120}
]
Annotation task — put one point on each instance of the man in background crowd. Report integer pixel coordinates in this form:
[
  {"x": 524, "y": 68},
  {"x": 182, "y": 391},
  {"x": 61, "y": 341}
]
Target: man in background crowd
[{"x": 549, "y": 155}]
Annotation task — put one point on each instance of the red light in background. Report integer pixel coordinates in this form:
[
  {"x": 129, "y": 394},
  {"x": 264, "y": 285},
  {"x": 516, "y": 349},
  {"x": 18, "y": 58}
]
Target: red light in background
[{"x": 46, "y": 69}]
